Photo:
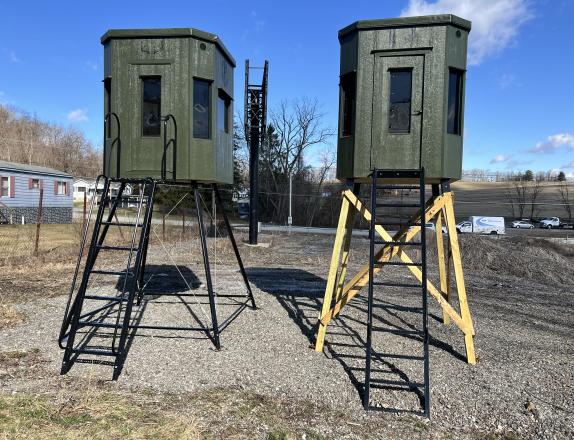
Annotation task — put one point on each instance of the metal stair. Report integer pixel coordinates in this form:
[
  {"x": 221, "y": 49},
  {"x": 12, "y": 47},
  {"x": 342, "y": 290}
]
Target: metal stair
[
  {"x": 388, "y": 212},
  {"x": 88, "y": 312}
]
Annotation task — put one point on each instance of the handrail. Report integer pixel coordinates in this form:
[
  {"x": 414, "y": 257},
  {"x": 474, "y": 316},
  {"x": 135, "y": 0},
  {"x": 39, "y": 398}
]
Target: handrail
[
  {"x": 166, "y": 145},
  {"x": 117, "y": 140}
]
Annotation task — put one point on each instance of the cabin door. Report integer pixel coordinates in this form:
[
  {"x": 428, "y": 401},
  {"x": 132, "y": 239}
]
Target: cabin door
[
  {"x": 151, "y": 92},
  {"x": 397, "y": 112}
]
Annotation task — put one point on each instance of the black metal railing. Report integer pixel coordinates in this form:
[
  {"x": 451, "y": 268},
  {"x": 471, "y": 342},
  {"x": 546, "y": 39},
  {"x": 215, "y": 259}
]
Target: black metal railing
[
  {"x": 166, "y": 144},
  {"x": 116, "y": 141}
]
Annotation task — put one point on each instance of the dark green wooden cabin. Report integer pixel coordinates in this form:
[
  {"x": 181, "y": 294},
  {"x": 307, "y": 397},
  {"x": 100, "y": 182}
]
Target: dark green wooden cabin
[
  {"x": 402, "y": 96},
  {"x": 152, "y": 73}
]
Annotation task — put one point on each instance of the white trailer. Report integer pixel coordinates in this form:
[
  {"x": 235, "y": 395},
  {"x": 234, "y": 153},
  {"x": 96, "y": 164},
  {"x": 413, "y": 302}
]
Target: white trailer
[{"x": 482, "y": 225}]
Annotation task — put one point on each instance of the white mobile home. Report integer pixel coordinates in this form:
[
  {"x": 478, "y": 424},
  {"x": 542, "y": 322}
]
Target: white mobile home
[{"x": 20, "y": 186}]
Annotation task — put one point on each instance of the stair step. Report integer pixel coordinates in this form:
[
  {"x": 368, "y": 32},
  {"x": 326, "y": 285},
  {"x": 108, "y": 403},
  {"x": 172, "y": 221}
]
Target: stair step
[
  {"x": 115, "y": 248},
  {"x": 398, "y": 383},
  {"x": 139, "y": 225},
  {"x": 398, "y": 331},
  {"x": 389, "y": 284},
  {"x": 104, "y": 298},
  {"x": 397, "y": 263},
  {"x": 98, "y": 324},
  {"x": 398, "y": 243},
  {"x": 407, "y": 357},
  {"x": 94, "y": 351},
  {"x": 113, "y": 272}
]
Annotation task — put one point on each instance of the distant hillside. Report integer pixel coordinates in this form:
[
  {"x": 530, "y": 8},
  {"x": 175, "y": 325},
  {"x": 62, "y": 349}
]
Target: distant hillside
[
  {"x": 491, "y": 198},
  {"x": 26, "y": 139}
]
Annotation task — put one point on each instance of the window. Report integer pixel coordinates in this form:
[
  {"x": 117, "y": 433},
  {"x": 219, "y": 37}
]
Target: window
[
  {"x": 223, "y": 106},
  {"x": 81, "y": 189},
  {"x": 400, "y": 101},
  {"x": 35, "y": 184},
  {"x": 108, "y": 101},
  {"x": 201, "y": 92},
  {"x": 5, "y": 189},
  {"x": 453, "y": 125},
  {"x": 60, "y": 188},
  {"x": 151, "y": 106},
  {"x": 348, "y": 100}
]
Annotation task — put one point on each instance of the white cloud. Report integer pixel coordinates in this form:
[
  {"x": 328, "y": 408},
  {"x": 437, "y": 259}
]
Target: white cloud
[
  {"x": 91, "y": 65},
  {"x": 495, "y": 23},
  {"x": 554, "y": 143},
  {"x": 78, "y": 115},
  {"x": 568, "y": 166},
  {"x": 500, "y": 158}
]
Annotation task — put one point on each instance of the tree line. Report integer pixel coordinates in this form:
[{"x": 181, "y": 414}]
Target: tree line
[{"x": 26, "y": 139}]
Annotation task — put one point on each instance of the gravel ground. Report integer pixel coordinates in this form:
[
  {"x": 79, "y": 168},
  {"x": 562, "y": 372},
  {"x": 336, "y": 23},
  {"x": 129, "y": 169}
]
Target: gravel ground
[{"x": 522, "y": 386}]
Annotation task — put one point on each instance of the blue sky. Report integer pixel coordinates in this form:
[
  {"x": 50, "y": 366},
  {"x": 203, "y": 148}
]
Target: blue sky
[{"x": 520, "y": 92}]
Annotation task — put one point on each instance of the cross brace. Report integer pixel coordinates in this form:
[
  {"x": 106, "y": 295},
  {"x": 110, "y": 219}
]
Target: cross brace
[{"x": 439, "y": 208}]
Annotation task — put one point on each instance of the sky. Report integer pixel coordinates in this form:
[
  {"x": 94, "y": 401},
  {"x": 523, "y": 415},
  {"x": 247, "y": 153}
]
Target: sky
[{"x": 520, "y": 92}]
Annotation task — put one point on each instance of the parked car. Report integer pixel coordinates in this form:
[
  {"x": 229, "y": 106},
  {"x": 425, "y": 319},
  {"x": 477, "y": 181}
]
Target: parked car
[
  {"x": 554, "y": 222},
  {"x": 522, "y": 224},
  {"x": 432, "y": 227},
  {"x": 482, "y": 225}
]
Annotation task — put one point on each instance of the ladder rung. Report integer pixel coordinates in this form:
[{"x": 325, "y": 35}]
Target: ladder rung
[
  {"x": 387, "y": 284},
  {"x": 116, "y": 248},
  {"x": 407, "y": 357},
  {"x": 399, "y": 243},
  {"x": 103, "y": 298},
  {"x": 397, "y": 383},
  {"x": 94, "y": 361},
  {"x": 385, "y": 305},
  {"x": 398, "y": 331},
  {"x": 398, "y": 205},
  {"x": 139, "y": 225},
  {"x": 98, "y": 324},
  {"x": 96, "y": 352},
  {"x": 397, "y": 263},
  {"x": 397, "y": 224},
  {"x": 113, "y": 272}
]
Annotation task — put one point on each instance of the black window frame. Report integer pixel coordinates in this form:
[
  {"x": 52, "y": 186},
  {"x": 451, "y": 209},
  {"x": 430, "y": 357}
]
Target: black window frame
[
  {"x": 142, "y": 82},
  {"x": 222, "y": 96},
  {"x": 348, "y": 86},
  {"x": 197, "y": 80},
  {"x": 454, "y": 122},
  {"x": 392, "y": 71}
]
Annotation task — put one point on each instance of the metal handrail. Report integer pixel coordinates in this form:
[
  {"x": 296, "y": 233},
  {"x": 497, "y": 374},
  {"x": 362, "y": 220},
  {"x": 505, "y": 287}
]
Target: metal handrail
[
  {"x": 166, "y": 145},
  {"x": 117, "y": 141}
]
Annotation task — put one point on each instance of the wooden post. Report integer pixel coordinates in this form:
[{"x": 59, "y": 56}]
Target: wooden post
[
  {"x": 39, "y": 221},
  {"x": 441, "y": 264}
]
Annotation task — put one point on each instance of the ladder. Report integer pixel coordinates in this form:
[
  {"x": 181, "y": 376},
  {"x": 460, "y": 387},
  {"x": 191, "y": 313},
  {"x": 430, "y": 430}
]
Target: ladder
[
  {"x": 388, "y": 212},
  {"x": 106, "y": 317}
]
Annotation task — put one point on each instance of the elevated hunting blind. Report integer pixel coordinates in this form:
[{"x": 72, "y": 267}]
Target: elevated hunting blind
[
  {"x": 168, "y": 105},
  {"x": 402, "y": 96}
]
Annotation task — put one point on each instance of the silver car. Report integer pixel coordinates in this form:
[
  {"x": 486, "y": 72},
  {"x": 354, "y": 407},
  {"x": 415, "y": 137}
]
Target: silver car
[{"x": 521, "y": 224}]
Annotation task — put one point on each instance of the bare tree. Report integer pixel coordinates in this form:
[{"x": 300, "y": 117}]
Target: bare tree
[
  {"x": 534, "y": 189},
  {"x": 567, "y": 199},
  {"x": 516, "y": 194}
]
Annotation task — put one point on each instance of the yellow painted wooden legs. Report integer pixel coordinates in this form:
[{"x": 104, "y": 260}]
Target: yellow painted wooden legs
[{"x": 440, "y": 208}]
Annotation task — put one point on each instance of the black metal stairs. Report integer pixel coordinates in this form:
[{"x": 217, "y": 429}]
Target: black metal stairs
[
  {"x": 389, "y": 213},
  {"x": 96, "y": 326}
]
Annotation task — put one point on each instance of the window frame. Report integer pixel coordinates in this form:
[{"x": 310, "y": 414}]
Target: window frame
[
  {"x": 62, "y": 184},
  {"x": 457, "y": 119},
  {"x": 348, "y": 83},
  {"x": 35, "y": 183},
  {"x": 209, "y": 110},
  {"x": 7, "y": 186},
  {"x": 142, "y": 82},
  {"x": 408, "y": 70},
  {"x": 221, "y": 95}
]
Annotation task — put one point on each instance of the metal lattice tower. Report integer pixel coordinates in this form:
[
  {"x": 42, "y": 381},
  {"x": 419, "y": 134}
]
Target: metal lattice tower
[{"x": 255, "y": 128}]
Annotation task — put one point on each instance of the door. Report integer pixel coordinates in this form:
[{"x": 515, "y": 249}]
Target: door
[
  {"x": 397, "y": 112},
  {"x": 151, "y": 99}
]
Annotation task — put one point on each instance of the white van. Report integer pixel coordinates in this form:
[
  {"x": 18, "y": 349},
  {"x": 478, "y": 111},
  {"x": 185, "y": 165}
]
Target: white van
[{"x": 482, "y": 225}]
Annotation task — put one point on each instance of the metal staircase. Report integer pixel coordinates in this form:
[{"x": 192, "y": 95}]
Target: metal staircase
[
  {"x": 96, "y": 326},
  {"x": 386, "y": 187}
]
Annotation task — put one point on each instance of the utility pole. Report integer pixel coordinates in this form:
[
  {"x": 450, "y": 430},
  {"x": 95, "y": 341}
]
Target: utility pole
[{"x": 255, "y": 129}]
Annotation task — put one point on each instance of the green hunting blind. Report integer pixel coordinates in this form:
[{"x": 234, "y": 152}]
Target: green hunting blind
[
  {"x": 168, "y": 101},
  {"x": 402, "y": 96}
]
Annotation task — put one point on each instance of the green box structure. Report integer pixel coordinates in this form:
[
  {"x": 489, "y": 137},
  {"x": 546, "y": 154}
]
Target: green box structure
[
  {"x": 152, "y": 73},
  {"x": 402, "y": 96}
]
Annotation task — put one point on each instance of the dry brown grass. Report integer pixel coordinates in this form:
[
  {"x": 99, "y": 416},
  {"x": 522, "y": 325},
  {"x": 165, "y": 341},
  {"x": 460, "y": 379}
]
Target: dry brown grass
[{"x": 10, "y": 317}]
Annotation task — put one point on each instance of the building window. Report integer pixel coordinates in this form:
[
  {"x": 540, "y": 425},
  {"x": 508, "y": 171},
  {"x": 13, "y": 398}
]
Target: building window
[
  {"x": 201, "y": 108},
  {"x": 35, "y": 184},
  {"x": 81, "y": 189},
  {"x": 60, "y": 188},
  {"x": 453, "y": 125},
  {"x": 348, "y": 103},
  {"x": 400, "y": 88},
  {"x": 108, "y": 102},
  {"x": 223, "y": 108},
  {"x": 5, "y": 189},
  {"x": 151, "y": 106}
]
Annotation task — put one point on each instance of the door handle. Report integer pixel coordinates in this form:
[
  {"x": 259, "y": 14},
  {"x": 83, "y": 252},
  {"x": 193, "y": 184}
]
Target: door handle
[{"x": 417, "y": 113}]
